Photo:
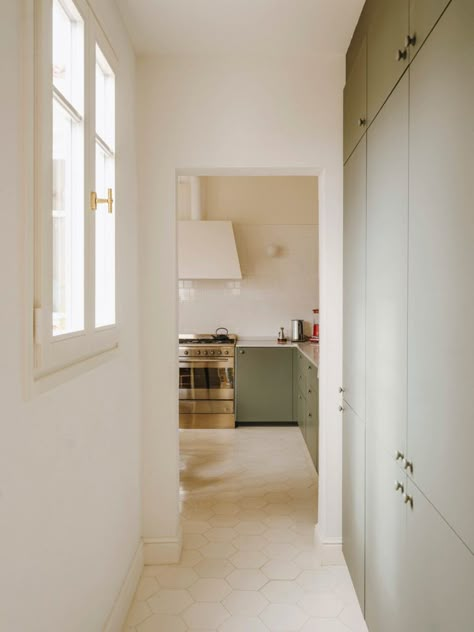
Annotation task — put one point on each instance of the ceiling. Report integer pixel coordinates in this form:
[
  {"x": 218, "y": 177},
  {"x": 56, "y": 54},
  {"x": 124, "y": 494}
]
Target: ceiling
[{"x": 240, "y": 27}]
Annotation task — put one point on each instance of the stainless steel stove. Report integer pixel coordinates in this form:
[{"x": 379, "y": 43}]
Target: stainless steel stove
[{"x": 206, "y": 380}]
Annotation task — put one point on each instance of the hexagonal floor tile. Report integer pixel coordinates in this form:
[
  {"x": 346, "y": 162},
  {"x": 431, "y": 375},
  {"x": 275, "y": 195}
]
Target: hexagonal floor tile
[
  {"x": 139, "y": 611},
  {"x": 209, "y": 589},
  {"x": 256, "y": 502},
  {"x": 214, "y": 567},
  {"x": 160, "y": 622},
  {"x": 249, "y": 559},
  {"x": 280, "y": 535},
  {"x": 317, "y": 581},
  {"x": 170, "y": 601},
  {"x": 249, "y": 542},
  {"x": 226, "y": 509},
  {"x": 279, "y": 591},
  {"x": 279, "y": 569},
  {"x": 248, "y": 603},
  {"x": 221, "y": 534},
  {"x": 284, "y": 551},
  {"x": 204, "y": 615},
  {"x": 250, "y": 527},
  {"x": 323, "y": 606},
  {"x": 241, "y": 624},
  {"x": 224, "y": 521},
  {"x": 193, "y": 541},
  {"x": 247, "y": 579},
  {"x": 147, "y": 587},
  {"x": 324, "y": 625},
  {"x": 195, "y": 526},
  {"x": 218, "y": 550},
  {"x": 283, "y": 617},
  {"x": 189, "y": 558},
  {"x": 176, "y": 577}
]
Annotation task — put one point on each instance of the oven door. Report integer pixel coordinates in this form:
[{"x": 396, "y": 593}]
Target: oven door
[{"x": 206, "y": 379}]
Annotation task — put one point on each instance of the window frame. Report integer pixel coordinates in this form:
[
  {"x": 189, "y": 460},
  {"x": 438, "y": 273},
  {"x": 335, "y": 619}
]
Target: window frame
[{"x": 55, "y": 352}]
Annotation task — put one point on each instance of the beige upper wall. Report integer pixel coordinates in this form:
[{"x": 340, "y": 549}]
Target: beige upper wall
[
  {"x": 262, "y": 199},
  {"x": 273, "y": 200}
]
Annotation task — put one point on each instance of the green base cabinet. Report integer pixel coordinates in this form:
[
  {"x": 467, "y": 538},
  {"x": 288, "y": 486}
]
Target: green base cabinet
[
  {"x": 264, "y": 385},
  {"x": 306, "y": 402}
]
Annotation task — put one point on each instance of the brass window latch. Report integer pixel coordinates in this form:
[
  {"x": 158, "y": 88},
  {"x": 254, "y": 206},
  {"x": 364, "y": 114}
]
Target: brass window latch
[{"x": 96, "y": 200}]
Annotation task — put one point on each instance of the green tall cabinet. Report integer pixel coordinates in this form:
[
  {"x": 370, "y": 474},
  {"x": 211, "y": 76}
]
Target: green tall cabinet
[{"x": 409, "y": 540}]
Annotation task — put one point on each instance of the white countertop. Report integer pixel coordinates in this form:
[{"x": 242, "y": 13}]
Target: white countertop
[{"x": 308, "y": 349}]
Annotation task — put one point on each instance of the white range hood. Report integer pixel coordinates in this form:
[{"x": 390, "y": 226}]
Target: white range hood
[{"x": 207, "y": 250}]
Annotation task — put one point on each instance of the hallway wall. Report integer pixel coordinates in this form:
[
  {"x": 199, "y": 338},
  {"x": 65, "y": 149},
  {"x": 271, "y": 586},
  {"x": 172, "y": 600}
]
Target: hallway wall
[
  {"x": 70, "y": 498},
  {"x": 200, "y": 114}
]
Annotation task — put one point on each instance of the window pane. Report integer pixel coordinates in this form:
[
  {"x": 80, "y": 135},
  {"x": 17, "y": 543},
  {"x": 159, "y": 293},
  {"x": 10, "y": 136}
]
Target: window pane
[
  {"x": 68, "y": 52},
  {"x": 105, "y": 179},
  {"x": 67, "y": 224},
  {"x": 105, "y": 99},
  {"x": 104, "y": 243}
]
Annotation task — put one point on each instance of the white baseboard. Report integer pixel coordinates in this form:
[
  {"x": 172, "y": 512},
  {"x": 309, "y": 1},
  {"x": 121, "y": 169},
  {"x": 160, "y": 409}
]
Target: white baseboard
[
  {"x": 163, "y": 550},
  {"x": 329, "y": 548},
  {"x": 124, "y": 599}
]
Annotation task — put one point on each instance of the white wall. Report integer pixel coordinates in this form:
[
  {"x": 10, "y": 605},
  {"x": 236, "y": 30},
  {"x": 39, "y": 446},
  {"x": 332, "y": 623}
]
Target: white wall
[
  {"x": 70, "y": 505},
  {"x": 201, "y": 114},
  {"x": 282, "y": 211}
]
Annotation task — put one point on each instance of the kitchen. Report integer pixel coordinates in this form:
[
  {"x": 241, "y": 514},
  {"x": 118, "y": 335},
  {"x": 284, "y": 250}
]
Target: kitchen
[{"x": 257, "y": 285}]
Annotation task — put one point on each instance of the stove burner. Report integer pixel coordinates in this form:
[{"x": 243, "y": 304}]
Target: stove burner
[{"x": 218, "y": 340}]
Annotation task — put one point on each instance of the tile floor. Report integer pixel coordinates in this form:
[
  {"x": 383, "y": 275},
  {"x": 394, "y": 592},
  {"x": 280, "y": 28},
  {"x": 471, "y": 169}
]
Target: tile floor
[{"x": 249, "y": 499}]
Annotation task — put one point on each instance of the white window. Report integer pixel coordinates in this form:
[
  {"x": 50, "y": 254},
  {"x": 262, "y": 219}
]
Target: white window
[{"x": 75, "y": 295}]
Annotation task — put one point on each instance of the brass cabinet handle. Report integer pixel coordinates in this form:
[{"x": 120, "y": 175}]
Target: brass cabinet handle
[
  {"x": 96, "y": 200},
  {"x": 341, "y": 389},
  {"x": 410, "y": 40},
  {"x": 361, "y": 122},
  {"x": 408, "y": 465},
  {"x": 408, "y": 500},
  {"x": 399, "y": 455},
  {"x": 341, "y": 409},
  {"x": 399, "y": 487}
]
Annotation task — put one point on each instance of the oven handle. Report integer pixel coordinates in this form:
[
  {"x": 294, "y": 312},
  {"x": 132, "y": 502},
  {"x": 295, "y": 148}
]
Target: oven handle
[{"x": 190, "y": 362}]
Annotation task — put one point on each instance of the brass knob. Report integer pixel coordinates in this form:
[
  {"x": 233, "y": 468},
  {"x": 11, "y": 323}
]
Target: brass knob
[
  {"x": 408, "y": 500},
  {"x": 341, "y": 390},
  {"x": 341, "y": 409},
  {"x": 408, "y": 465},
  {"x": 361, "y": 122},
  {"x": 399, "y": 455},
  {"x": 410, "y": 40}
]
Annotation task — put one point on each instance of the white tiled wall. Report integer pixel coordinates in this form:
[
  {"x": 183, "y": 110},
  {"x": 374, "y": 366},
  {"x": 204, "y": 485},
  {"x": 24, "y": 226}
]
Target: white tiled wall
[{"x": 272, "y": 292}]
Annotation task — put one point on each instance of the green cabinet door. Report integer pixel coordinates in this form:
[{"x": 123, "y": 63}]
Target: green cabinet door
[
  {"x": 387, "y": 58},
  {"x": 312, "y": 414},
  {"x": 264, "y": 385},
  {"x": 354, "y": 286},
  {"x": 438, "y": 572},
  {"x": 423, "y": 17},
  {"x": 301, "y": 413},
  {"x": 353, "y": 499},
  {"x": 295, "y": 384},
  {"x": 355, "y": 101},
  {"x": 385, "y": 541},
  {"x": 387, "y": 261},
  {"x": 441, "y": 255}
]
